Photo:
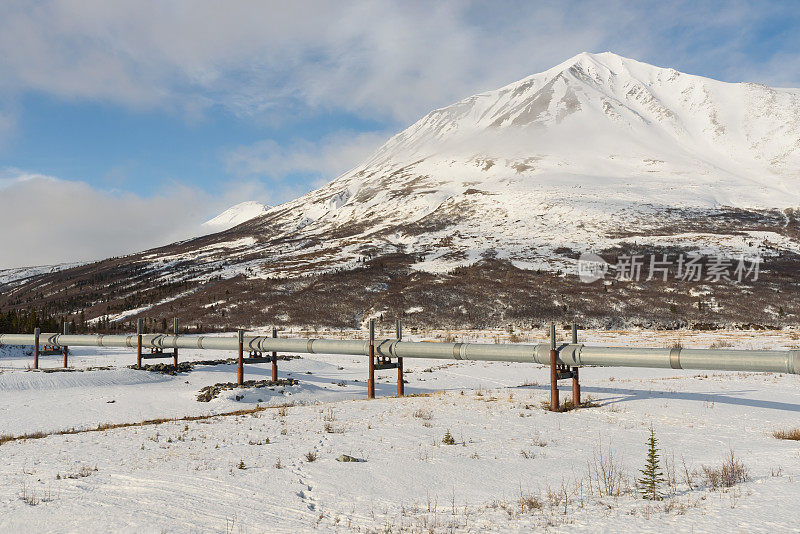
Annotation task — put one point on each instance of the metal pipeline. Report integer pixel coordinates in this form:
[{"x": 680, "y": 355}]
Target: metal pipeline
[{"x": 573, "y": 355}]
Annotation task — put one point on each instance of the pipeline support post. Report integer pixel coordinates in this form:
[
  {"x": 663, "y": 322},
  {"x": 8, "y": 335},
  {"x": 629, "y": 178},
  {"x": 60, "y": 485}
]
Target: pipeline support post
[
  {"x": 240, "y": 366},
  {"x": 274, "y": 357},
  {"x": 36, "y": 333},
  {"x": 66, "y": 349},
  {"x": 371, "y": 354},
  {"x": 139, "y": 343},
  {"x": 400, "y": 384},
  {"x": 175, "y": 354},
  {"x": 554, "y": 404},
  {"x": 576, "y": 385}
]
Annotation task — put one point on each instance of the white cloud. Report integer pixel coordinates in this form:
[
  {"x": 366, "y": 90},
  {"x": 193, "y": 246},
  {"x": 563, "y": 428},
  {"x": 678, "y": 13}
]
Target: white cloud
[
  {"x": 10, "y": 177},
  {"x": 45, "y": 220},
  {"x": 386, "y": 59},
  {"x": 330, "y": 157}
]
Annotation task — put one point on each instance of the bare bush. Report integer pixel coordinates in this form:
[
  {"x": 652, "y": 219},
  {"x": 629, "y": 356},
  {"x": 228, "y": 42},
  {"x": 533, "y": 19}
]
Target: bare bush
[
  {"x": 605, "y": 473},
  {"x": 311, "y": 456},
  {"x": 731, "y": 472}
]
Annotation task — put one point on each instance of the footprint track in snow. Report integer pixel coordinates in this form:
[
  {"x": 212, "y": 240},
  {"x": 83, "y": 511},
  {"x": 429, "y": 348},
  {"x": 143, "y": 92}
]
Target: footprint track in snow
[{"x": 305, "y": 493}]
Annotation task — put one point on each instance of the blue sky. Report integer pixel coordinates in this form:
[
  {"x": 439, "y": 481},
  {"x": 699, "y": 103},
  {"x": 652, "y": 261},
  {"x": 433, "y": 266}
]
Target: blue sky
[
  {"x": 114, "y": 147},
  {"x": 138, "y": 105}
]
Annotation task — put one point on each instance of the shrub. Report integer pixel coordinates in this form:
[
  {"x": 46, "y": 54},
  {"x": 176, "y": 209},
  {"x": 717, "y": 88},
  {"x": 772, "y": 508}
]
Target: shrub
[{"x": 731, "y": 472}]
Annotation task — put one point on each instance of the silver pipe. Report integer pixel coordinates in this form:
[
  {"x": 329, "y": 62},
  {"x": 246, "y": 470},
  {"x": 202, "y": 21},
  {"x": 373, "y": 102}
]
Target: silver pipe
[{"x": 574, "y": 355}]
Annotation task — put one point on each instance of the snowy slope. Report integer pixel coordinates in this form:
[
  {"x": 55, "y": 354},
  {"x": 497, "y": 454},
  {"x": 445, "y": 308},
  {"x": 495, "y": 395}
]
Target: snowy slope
[
  {"x": 235, "y": 215},
  {"x": 21, "y": 273}
]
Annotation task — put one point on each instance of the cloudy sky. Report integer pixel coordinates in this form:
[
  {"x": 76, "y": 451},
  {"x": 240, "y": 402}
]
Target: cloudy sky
[{"x": 125, "y": 124}]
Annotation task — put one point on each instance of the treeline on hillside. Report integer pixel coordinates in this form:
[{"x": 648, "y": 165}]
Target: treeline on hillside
[
  {"x": 14, "y": 322},
  {"x": 22, "y": 322}
]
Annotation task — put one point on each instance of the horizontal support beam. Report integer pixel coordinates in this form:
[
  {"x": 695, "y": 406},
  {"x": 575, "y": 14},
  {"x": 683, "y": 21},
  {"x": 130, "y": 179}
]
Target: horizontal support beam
[
  {"x": 573, "y": 355},
  {"x": 266, "y": 359}
]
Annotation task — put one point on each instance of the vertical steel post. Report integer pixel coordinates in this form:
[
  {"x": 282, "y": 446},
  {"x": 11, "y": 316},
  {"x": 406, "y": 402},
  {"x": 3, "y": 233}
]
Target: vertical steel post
[
  {"x": 576, "y": 385},
  {"x": 175, "y": 354},
  {"x": 398, "y": 326},
  {"x": 371, "y": 380},
  {"x": 139, "y": 328},
  {"x": 240, "y": 367},
  {"x": 36, "y": 332},
  {"x": 274, "y": 357},
  {"x": 66, "y": 349},
  {"x": 553, "y": 369}
]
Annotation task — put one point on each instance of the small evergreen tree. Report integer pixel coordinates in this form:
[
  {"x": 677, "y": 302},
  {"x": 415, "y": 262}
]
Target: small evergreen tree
[
  {"x": 448, "y": 439},
  {"x": 652, "y": 477}
]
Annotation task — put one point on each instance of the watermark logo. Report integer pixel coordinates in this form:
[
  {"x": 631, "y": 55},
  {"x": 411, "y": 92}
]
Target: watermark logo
[
  {"x": 683, "y": 267},
  {"x": 591, "y": 267}
]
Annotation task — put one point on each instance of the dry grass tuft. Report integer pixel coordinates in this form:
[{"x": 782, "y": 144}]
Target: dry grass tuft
[
  {"x": 721, "y": 344},
  {"x": 790, "y": 433},
  {"x": 568, "y": 405},
  {"x": 425, "y": 415},
  {"x": 529, "y": 503}
]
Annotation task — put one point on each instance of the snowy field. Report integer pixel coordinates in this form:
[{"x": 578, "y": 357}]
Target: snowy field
[{"x": 514, "y": 466}]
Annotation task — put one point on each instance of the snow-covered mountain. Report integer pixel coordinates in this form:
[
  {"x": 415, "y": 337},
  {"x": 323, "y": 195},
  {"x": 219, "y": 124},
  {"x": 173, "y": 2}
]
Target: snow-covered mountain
[
  {"x": 598, "y": 153},
  {"x": 235, "y": 215},
  {"x": 596, "y": 149}
]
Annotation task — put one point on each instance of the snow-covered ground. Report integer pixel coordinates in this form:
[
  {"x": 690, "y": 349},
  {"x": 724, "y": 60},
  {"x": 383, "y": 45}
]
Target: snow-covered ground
[{"x": 514, "y": 466}]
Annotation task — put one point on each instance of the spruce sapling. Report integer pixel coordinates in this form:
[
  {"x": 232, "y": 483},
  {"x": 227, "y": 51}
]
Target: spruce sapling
[{"x": 652, "y": 476}]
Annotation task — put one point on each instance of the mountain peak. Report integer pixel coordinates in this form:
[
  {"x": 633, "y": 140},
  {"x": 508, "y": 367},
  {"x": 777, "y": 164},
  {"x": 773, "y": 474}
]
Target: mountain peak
[
  {"x": 607, "y": 60},
  {"x": 602, "y": 65}
]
